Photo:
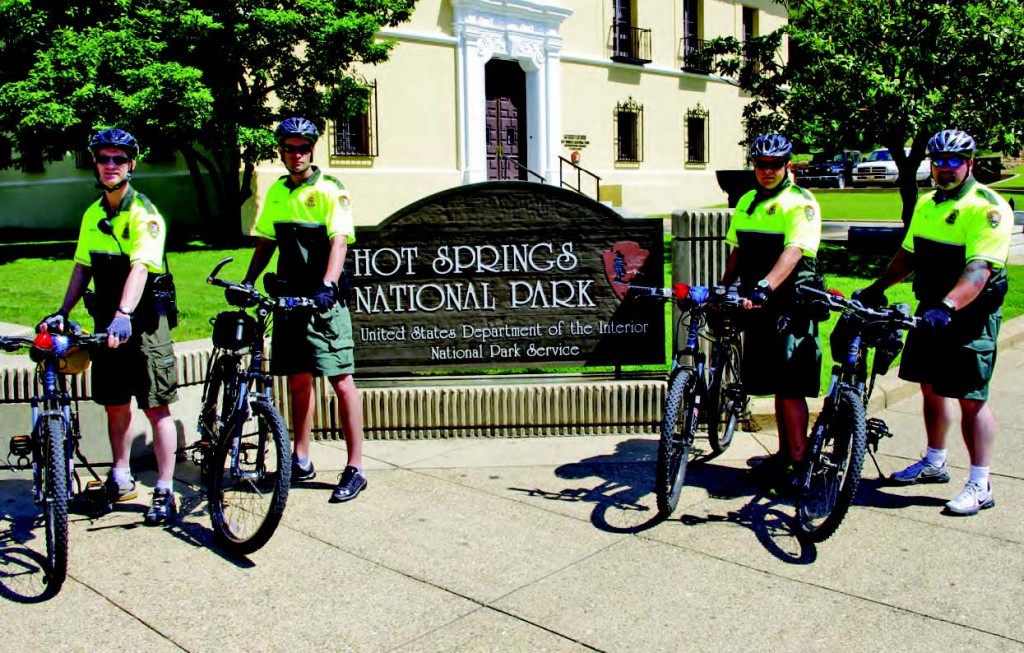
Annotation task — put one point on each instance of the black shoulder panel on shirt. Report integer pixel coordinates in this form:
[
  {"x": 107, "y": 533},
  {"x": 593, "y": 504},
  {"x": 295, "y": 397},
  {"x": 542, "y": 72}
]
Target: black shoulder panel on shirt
[
  {"x": 335, "y": 181},
  {"x": 146, "y": 204},
  {"x": 803, "y": 191},
  {"x": 988, "y": 194}
]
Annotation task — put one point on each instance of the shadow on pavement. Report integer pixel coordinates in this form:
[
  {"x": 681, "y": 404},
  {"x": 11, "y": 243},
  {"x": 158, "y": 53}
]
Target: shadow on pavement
[{"x": 22, "y": 568}]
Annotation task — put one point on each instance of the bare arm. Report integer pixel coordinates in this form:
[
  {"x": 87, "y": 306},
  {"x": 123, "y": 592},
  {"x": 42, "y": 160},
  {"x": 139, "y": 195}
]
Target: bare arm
[
  {"x": 133, "y": 286},
  {"x": 731, "y": 268},
  {"x": 79, "y": 281},
  {"x": 336, "y": 259},
  {"x": 784, "y": 266},
  {"x": 900, "y": 267},
  {"x": 261, "y": 256},
  {"x": 971, "y": 283}
]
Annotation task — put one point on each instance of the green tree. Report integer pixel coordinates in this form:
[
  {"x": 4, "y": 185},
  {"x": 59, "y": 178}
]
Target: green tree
[
  {"x": 207, "y": 78},
  {"x": 863, "y": 72}
]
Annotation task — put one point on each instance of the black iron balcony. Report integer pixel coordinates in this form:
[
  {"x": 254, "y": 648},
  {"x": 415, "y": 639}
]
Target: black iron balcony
[
  {"x": 697, "y": 56},
  {"x": 630, "y": 44}
]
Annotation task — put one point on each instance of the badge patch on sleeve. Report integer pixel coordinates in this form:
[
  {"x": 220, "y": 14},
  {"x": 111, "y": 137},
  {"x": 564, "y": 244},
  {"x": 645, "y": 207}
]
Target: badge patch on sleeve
[
  {"x": 153, "y": 228},
  {"x": 345, "y": 204},
  {"x": 994, "y": 218},
  {"x": 810, "y": 212}
]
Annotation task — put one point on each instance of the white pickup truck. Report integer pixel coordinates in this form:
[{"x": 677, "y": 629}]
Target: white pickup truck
[{"x": 878, "y": 169}]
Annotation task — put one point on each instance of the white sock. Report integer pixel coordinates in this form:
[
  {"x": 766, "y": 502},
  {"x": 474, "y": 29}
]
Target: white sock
[
  {"x": 121, "y": 475},
  {"x": 165, "y": 485},
  {"x": 979, "y": 475},
  {"x": 302, "y": 461},
  {"x": 936, "y": 457}
]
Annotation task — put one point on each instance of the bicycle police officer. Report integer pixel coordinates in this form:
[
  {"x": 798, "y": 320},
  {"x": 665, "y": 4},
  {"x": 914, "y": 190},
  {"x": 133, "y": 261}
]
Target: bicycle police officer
[
  {"x": 307, "y": 216},
  {"x": 121, "y": 250},
  {"x": 956, "y": 246},
  {"x": 774, "y": 234}
]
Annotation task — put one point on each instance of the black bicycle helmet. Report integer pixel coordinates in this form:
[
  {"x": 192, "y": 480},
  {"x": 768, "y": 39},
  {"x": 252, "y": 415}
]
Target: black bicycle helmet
[
  {"x": 771, "y": 145},
  {"x": 118, "y": 138},
  {"x": 952, "y": 142},
  {"x": 296, "y": 128}
]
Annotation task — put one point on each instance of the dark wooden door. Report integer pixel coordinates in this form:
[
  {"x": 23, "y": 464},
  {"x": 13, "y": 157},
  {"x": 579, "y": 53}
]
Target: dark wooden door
[{"x": 506, "y": 120}]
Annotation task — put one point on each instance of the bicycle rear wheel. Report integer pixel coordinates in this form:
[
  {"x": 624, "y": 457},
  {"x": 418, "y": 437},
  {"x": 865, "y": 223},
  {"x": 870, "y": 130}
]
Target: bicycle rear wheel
[
  {"x": 676, "y": 441},
  {"x": 725, "y": 396},
  {"x": 52, "y": 439},
  {"x": 832, "y": 476},
  {"x": 248, "y": 500}
]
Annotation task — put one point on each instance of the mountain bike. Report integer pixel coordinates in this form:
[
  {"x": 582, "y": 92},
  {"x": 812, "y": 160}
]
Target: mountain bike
[
  {"x": 700, "y": 387},
  {"x": 49, "y": 450},
  {"x": 842, "y": 434},
  {"x": 244, "y": 453}
]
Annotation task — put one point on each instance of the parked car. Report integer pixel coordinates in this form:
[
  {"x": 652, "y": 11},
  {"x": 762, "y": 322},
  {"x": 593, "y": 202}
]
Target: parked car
[
  {"x": 880, "y": 170},
  {"x": 829, "y": 169}
]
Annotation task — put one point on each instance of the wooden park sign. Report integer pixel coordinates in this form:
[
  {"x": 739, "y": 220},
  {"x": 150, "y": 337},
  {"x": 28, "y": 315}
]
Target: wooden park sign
[{"x": 505, "y": 274}]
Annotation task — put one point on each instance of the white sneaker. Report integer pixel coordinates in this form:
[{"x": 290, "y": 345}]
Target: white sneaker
[
  {"x": 921, "y": 472},
  {"x": 971, "y": 499}
]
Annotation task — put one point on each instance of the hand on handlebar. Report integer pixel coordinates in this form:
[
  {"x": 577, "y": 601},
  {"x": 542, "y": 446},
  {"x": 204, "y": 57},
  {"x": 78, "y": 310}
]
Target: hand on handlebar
[
  {"x": 938, "y": 318},
  {"x": 243, "y": 295},
  {"x": 54, "y": 323},
  {"x": 326, "y": 296},
  {"x": 870, "y": 297},
  {"x": 119, "y": 331}
]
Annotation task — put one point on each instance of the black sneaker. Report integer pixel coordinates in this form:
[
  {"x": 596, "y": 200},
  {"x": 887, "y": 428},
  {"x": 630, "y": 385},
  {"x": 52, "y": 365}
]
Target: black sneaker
[
  {"x": 163, "y": 508},
  {"x": 350, "y": 483},
  {"x": 117, "y": 492},
  {"x": 300, "y": 475}
]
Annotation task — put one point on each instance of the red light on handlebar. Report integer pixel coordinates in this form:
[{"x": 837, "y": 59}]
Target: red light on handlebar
[
  {"x": 833, "y": 291},
  {"x": 43, "y": 339},
  {"x": 680, "y": 291}
]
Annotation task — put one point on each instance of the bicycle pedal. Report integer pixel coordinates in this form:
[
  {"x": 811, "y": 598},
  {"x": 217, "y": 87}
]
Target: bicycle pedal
[
  {"x": 94, "y": 499},
  {"x": 21, "y": 446}
]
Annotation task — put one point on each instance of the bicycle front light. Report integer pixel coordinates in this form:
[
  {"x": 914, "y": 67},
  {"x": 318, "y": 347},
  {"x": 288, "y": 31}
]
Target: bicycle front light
[{"x": 680, "y": 291}]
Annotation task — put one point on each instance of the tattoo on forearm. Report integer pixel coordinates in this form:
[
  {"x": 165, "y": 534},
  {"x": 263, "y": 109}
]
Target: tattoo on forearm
[{"x": 977, "y": 273}]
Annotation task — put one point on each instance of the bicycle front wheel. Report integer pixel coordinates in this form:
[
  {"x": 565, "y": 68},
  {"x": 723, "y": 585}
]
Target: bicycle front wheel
[
  {"x": 676, "y": 441},
  {"x": 830, "y": 481},
  {"x": 725, "y": 400},
  {"x": 52, "y": 438},
  {"x": 248, "y": 490}
]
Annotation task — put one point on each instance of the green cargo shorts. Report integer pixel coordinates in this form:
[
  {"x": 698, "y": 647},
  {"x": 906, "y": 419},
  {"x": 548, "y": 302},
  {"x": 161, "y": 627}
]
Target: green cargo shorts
[
  {"x": 144, "y": 368},
  {"x": 957, "y": 362},
  {"x": 320, "y": 344},
  {"x": 780, "y": 361}
]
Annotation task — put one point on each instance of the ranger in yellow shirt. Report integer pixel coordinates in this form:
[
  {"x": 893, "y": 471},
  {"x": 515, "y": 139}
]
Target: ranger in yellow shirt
[
  {"x": 956, "y": 246},
  {"x": 774, "y": 234},
  {"x": 121, "y": 250},
  {"x": 307, "y": 218}
]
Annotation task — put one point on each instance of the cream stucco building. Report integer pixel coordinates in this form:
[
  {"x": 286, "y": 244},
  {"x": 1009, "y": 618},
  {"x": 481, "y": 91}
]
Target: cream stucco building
[{"x": 485, "y": 89}]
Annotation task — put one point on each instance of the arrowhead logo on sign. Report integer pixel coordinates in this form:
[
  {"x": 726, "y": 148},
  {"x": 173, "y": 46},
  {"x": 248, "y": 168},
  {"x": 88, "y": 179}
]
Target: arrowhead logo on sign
[{"x": 621, "y": 263}]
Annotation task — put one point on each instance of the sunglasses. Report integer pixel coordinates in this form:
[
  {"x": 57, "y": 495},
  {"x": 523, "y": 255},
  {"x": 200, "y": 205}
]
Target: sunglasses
[
  {"x": 949, "y": 162},
  {"x": 118, "y": 159},
  {"x": 297, "y": 149},
  {"x": 774, "y": 164}
]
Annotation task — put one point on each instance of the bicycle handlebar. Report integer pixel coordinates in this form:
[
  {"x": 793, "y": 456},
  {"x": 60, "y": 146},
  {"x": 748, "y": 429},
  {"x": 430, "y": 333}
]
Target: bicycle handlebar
[
  {"x": 898, "y": 314},
  {"x": 284, "y": 303},
  {"x": 697, "y": 296},
  {"x": 86, "y": 340}
]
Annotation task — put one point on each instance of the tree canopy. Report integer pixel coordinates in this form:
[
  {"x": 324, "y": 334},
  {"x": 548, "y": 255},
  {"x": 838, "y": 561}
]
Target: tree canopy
[
  {"x": 207, "y": 78},
  {"x": 865, "y": 72}
]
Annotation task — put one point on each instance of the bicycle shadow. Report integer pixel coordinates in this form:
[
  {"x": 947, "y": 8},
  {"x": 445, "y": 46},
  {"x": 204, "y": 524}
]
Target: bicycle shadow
[
  {"x": 22, "y": 568},
  {"x": 763, "y": 515},
  {"x": 623, "y": 497},
  {"x": 872, "y": 493}
]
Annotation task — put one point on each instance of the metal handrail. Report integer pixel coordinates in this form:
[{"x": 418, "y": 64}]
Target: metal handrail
[
  {"x": 696, "y": 55},
  {"x": 637, "y": 42},
  {"x": 579, "y": 178},
  {"x": 504, "y": 161}
]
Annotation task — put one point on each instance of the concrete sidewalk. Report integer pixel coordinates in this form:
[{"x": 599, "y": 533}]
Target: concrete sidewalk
[{"x": 545, "y": 544}]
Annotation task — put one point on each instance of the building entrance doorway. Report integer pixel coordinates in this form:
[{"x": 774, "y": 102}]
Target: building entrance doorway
[{"x": 506, "y": 120}]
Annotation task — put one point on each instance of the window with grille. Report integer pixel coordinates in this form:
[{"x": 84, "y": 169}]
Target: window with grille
[
  {"x": 697, "y": 135},
  {"x": 629, "y": 131},
  {"x": 357, "y": 134}
]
